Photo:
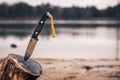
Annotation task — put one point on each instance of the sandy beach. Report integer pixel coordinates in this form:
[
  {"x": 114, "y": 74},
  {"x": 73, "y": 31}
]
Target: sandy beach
[{"x": 79, "y": 69}]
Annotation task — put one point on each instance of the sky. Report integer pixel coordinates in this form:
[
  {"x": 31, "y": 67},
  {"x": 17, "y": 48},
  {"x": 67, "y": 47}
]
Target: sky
[{"x": 100, "y": 4}]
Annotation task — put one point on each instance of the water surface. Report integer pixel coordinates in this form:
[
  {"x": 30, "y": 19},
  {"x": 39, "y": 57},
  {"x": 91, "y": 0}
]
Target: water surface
[{"x": 87, "y": 42}]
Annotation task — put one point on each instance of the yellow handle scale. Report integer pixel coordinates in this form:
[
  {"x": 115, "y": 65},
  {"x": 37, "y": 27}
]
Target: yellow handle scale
[{"x": 51, "y": 24}]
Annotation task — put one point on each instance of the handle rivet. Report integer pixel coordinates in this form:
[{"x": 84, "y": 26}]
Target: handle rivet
[
  {"x": 36, "y": 32},
  {"x": 41, "y": 21}
]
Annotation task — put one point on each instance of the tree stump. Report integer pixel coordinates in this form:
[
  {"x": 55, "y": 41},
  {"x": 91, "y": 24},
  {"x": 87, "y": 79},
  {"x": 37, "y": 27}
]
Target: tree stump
[{"x": 13, "y": 67}]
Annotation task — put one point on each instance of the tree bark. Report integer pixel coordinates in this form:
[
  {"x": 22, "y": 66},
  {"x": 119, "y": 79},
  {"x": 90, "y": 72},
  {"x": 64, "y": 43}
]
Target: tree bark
[{"x": 13, "y": 67}]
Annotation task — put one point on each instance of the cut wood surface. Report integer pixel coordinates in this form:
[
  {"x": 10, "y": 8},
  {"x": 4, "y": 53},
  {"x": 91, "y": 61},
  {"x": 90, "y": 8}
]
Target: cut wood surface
[{"x": 13, "y": 67}]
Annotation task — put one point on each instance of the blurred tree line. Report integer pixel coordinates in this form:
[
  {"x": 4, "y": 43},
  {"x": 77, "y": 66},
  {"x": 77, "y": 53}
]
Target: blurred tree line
[{"x": 23, "y": 10}]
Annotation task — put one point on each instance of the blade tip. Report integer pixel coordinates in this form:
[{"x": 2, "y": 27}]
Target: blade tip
[{"x": 26, "y": 58}]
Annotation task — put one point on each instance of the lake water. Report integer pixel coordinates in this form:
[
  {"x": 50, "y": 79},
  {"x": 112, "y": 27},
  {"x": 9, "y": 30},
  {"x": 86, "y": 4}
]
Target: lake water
[{"x": 72, "y": 41}]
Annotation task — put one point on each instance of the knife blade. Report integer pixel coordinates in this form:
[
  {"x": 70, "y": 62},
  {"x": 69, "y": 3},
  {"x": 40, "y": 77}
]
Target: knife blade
[{"x": 30, "y": 48}]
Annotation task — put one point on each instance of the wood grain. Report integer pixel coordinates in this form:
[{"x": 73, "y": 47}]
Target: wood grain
[{"x": 13, "y": 67}]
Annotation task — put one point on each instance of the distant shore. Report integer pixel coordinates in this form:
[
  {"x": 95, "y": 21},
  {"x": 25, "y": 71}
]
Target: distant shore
[{"x": 82, "y": 22}]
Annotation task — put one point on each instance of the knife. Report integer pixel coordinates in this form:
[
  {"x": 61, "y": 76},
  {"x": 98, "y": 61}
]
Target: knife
[{"x": 34, "y": 37}]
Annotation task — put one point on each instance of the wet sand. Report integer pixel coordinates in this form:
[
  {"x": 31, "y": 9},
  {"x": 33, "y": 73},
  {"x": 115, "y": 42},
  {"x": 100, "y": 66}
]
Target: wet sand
[{"x": 79, "y": 69}]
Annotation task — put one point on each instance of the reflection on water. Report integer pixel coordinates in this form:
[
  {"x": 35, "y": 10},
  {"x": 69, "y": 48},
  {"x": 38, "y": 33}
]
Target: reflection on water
[
  {"x": 71, "y": 42},
  {"x": 16, "y": 30}
]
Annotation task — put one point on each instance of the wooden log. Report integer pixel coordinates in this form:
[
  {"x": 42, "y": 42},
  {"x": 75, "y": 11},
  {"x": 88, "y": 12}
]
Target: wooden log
[{"x": 13, "y": 67}]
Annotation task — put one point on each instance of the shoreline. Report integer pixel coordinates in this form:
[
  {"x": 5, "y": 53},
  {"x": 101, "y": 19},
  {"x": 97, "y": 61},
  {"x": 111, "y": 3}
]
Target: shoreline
[
  {"x": 76, "y": 69},
  {"x": 94, "y": 22}
]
